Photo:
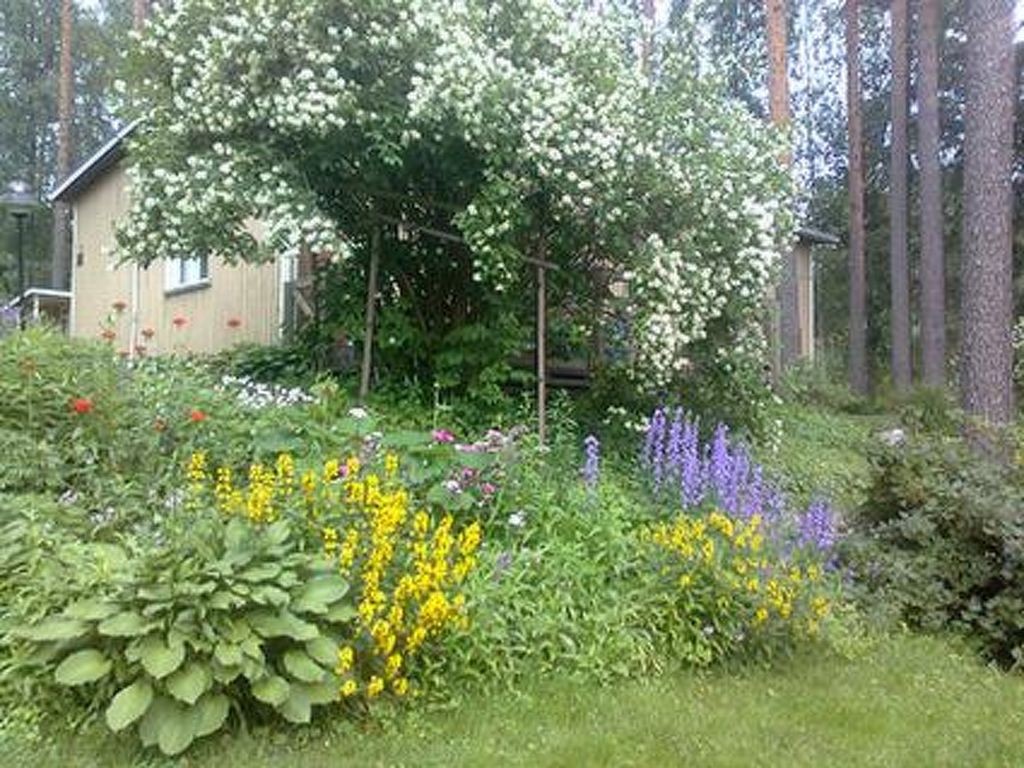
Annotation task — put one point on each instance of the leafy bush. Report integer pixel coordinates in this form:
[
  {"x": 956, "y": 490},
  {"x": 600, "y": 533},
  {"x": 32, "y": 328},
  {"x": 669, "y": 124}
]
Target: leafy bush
[
  {"x": 941, "y": 543},
  {"x": 725, "y": 592}
]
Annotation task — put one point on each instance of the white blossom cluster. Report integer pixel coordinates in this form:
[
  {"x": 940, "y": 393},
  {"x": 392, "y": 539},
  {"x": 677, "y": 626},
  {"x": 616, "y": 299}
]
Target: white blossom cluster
[
  {"x": 655, "y": 175},
  {"x": 257, "y": 395}
]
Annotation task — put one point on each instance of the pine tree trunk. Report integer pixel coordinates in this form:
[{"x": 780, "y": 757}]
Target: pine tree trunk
[
  {"x": 778, "y": 111},
  {"x": 987, "y": 264},
  {"x": 898, "y": 260},
  {"x": 858, "y": 272},
  {"x": 933, "y": 262},
  {"x": 61, "y": 270}
]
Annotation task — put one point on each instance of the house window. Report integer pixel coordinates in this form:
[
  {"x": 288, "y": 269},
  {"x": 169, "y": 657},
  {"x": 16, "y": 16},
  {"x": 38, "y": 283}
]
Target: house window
[{"x": 187, "y": 273}]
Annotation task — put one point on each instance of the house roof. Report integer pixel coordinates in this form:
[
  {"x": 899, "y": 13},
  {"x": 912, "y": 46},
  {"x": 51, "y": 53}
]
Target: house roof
[
  {"x": 83, "y": 176},
  {"x": 816, "y": 237}
]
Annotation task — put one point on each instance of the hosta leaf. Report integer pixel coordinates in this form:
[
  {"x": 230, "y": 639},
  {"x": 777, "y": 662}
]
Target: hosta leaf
[
  {"x": 340, "y": 612},
  {"x": 271, "y": 690},
  {"x": 324, "y": 650},
  {"x": 297, "y": 707},
  {"x": 228, "y": 654},
  {"x": 303, "y": 668},
  {"x": 281, "y": 624},
  {"x": 319, "y": 593},
  {"x": 124, "y": 624},
  {"x": 177, "y": 730},
  {"x": 268, "y": 595},
  {"x": 264, "y": 572},
  {"x": 83, "y": 667},
  {"x": 190, "y": 682},
  {"x": 56, "y": 628},
  {"x": 129, "y": 704},
  {"x": 149, "y": 727},
  {"x": 276, "y": 533},
  {"x": 225, "y": 674},
  {"x": 320, "y": 693},
  {"x": 90, "y": 610},
  {"x": 210, "y": 713},
  {"x": 158, "y": 658}
]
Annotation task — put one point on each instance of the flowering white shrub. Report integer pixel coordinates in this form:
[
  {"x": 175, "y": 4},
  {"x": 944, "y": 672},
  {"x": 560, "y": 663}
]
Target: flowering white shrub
[
  {"x": 256, "y": 395},
  {"x": 533, "y": 114}
]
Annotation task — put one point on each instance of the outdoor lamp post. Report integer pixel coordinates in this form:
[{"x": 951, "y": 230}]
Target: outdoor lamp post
[{"x": 19, "y": 201}]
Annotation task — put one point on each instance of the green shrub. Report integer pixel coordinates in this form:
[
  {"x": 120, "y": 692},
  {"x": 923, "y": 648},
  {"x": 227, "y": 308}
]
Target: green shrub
[
  {"x": 215, "y": 615},
  {"x": 941, "y": 543}
]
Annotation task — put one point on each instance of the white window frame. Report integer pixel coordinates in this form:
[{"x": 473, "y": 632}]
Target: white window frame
[{"x": 182, "y": 274}]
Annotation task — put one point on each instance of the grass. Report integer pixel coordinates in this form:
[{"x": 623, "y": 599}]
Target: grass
[{"x": 907, "y": 702}]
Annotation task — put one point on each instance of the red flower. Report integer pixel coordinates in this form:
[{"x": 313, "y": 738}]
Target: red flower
[
  {"x": 148, "y": 333},
  {"x": 108, "y": 334},
  {"x": 119, "y": 306},
  {"x": 179, "y": 322},
  {"x": 197, "y": 416},
  {"x": 234, "y": 322},
  {"x": 81, "y": 405},
  {"x": 140, "y": 350}
]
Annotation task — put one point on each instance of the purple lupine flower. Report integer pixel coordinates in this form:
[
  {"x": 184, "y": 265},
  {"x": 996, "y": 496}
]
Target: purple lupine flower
[
  {"x": 654, "y": 448},
  {"x": 719, "y": 462},
  {"x": 691, "y": 472},
  {"x": 753, "y": 498},
  {"x": 817, "y": 527},
  {"x": 736, "y": 481},
  {"x": 592, "y": 463},
  {"x": 674, "y": 449}
]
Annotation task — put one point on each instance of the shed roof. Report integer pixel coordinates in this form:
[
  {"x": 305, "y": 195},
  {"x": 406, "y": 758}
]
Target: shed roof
[
  {"x": 816, "y": 237},
  {"x": 89, "y": 171}
]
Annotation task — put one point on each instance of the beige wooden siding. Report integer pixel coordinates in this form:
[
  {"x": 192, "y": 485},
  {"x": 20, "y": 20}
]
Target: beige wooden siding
[{"x": 240, "y": 303}]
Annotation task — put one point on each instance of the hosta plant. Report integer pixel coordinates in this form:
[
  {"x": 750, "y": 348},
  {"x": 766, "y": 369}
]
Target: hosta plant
[{"x": 215, "y": 616}]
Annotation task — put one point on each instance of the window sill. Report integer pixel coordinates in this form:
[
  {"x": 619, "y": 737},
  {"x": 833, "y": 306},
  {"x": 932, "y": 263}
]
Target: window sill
[{"x": 201, "y": 285}]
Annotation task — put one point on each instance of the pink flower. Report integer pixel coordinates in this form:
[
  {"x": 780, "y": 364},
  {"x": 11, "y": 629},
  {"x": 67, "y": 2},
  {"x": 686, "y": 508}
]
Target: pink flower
[
  {"x": 81, "y": 405},
  {"x": 442, "y": 436},
  {"x": 119, "y": 306},
  {"x": 197, "y": 416},
  {"x": 179, "y": 322},
  {"x": 489, "y": 489},
  {"x": 148, "y": 333},
  {"x": 234, "y": 322}
]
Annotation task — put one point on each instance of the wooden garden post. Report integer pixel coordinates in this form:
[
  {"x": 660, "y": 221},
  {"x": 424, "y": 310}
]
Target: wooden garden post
[
  {"x": 542, "y": 357},
  {"x": 371, "y": 314}
]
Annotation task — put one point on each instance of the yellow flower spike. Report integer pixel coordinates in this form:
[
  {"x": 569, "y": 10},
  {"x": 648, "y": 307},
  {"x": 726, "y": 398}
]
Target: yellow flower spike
[
  {"x": 400, "y": 686},
  {"x": 393, "y": 665},
  {"x": 330, "y": 472},
  {"x": 761, "y": 615},
  {"x": 346, "y": 658},
  {"x": 375, "y": 686},
  {"x": 390, "y": 466},
  {"x": 351, "y": 466},
  {"x": 349, "y": 689}
]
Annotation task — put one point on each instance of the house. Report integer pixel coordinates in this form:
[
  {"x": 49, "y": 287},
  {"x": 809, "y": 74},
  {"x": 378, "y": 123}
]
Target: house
[{"x": 196, "y": 304}]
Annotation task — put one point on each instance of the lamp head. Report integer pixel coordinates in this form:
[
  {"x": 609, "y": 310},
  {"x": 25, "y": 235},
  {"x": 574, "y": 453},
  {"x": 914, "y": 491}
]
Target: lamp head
[{"x": 18, "y": 199}]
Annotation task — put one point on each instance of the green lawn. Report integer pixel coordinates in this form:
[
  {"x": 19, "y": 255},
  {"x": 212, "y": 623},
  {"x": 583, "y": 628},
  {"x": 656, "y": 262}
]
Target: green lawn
[{"x": 909, "y": 702}]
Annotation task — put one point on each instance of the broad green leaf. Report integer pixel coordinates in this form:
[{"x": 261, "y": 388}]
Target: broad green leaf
[
  {"x": 190, "y": 682},
  {"x": 56, "y": 628},
  {"x": 264, "y": 572},
  {"x": 281, "y": 624},
  {"x": 158, "y": 658},
  {"x": 177, "y": 730},
  {"x": 228, "y": 654},
  {"x": 210, "y": 713},
  {"x": 320, "y": 693},
  {"x": 324, "y": 650},
  {"x": 303, "y": 668},
  {"x": 319, "y": 593},
  {"x": 129, "y": 704},
  {"x": 91, "y": 610},
  {"x": 225, "y": 674},
  {"x": 276, "y": 533},
  {"x": 270, "y": 595},
  {"x": 340, "y": 613},
  {"x": 271, "y": 690},
  {"x": 297, "y": 707},
  {"x": 149, "y": 727},
  {"x": 82, "y": 667},
  {"x": 125, "y": 624}
]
